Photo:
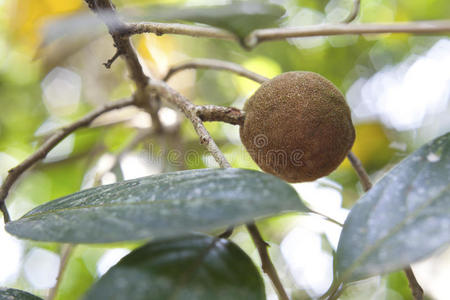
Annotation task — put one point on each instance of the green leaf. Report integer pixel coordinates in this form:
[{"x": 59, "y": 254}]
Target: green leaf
[
  {"x": 402, "y": 219},
  {"x": 239, "y": 17},
  {"x": 191, "y": 267},
  {"x": 13, "y": 294},
  {"x": 159, "y": 206}
]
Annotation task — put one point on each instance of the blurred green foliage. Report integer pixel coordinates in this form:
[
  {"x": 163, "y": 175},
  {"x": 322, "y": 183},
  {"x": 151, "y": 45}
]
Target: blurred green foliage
[{"x": 22, "y": 110}]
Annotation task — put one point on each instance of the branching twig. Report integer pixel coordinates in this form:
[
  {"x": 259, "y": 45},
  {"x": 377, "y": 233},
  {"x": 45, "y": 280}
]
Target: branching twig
[
  {"x": 49, "y": 144},
  {"x": 416, "y": 289},
  {"x": 107, "y": 13},
  {"x": 263, "y": 35},
  {"x": 161, "y": 89},
  {"x": 65, "y": 256},
  {"x": 112, "y": 59},
  {"x": 354, "y": 13},
  {"x": 266, "y": 263},
  {"x": 215, "y": 64}
]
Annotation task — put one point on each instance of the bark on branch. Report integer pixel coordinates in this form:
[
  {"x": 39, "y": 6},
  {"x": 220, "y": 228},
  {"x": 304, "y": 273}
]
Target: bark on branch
[
  {"x": 179, "y": 29},
  {"x": 229, "y": 115}
]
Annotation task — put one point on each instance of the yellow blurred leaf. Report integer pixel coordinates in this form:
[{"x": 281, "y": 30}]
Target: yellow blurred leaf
[
  {"x": 157, "y": 53},
  {"x": 27, "y": 16},
  {"x": 371, "y": 146}
]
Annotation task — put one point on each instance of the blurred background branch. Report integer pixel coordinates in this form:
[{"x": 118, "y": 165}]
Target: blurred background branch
[
  {"x": 215, "y": 64},
  {"x": 354, "y": 12},
  {"x": 58, "y": 82}
]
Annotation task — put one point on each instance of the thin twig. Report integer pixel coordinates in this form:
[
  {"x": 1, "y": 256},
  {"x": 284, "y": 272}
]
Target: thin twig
[
  {"x": 362, "y": 174},
  {"x": 354, "y": 13},
  {"x": 229, "y": 115},
  {"x": 216, "y": 64},
  {"x": 180, "y": 29},
  {"x": 107, "y": 13},
  {"x": 330, "y": 219},
  {"x": 112, "y": 59},
  {"x": 266, "y": 263},
  {"x": 416, "y": 289},
  {"x": 423, "y": 27},
  {"x": 49, "y": 144},
  {"x": 67, "y": 251}
]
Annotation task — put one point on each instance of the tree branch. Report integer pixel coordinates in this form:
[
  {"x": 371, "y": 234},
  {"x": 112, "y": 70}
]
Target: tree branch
[
  {"x": 270, "y": 34},
  {"x": 423, "y": 27},
  {"x": 48, "y": 145},
  {"x": 266, "y": 263},
  {"x": 215, "y": 64},
  {"x": 229, "y": 115},
  {"x": 107, "y": 13},
  {"x": 416, "y": 289},
  {"x": 354, "y": 13},
  {"x": 212, "y": 112},
  {"x": 161, "y": 89},
  {"x": 180, "y": 29}
]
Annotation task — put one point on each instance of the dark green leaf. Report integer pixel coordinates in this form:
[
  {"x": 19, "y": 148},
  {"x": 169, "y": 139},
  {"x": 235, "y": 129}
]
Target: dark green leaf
[
  {"x": 158, "y": 206},
  {"x": 403, "y": 218},
  {"x": 192, "y": 267},
  {"x": 13, "y": 294},
  {"x": 240, "y": 17}
]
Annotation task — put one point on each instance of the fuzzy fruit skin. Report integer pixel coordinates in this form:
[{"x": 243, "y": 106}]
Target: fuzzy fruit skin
[{"x": 297, "y": 126}]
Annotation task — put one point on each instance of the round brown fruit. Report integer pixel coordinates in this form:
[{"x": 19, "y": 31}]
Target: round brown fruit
[{"x": 297, "y": 126}]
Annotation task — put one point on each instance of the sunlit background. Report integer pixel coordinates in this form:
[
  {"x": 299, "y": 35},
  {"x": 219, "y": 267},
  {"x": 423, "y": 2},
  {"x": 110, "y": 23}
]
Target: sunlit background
[{"x": 398, "y": 87}]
